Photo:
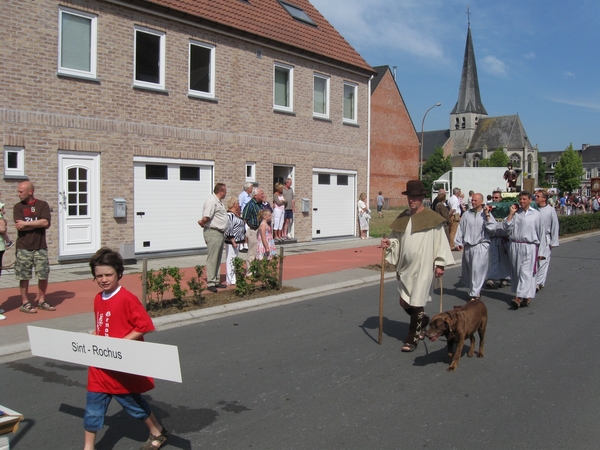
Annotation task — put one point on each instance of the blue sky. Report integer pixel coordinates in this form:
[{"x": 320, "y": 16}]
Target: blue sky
[{"x": 537, "y": 58}]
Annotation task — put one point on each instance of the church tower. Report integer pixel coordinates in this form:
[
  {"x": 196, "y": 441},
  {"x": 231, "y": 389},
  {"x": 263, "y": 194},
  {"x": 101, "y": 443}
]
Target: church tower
[{"x": 469, "y": 109}]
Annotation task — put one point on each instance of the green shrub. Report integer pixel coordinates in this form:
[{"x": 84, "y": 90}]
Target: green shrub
[{"x": 578, "y": 223}]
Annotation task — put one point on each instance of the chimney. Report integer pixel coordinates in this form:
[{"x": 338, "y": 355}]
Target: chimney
[
  {"x": 584, "y": 146},
  {"x": 394, "y": 72}
]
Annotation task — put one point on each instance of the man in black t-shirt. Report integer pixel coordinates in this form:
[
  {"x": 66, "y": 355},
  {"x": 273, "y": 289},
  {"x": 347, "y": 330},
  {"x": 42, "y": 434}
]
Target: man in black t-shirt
[{"x": 32, "y": 218}]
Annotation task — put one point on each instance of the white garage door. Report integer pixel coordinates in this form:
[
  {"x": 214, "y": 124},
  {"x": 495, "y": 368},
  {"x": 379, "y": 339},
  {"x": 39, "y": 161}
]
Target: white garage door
[
  {"x": 168, "y": 199},
  {"x": 333, "y": 204}
]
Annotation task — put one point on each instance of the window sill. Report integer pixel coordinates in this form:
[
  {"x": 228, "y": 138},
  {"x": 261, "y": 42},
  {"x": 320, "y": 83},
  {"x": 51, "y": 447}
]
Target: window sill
[
  {"x": 78, "y": 77},
  {"x": 202, "y": 97},
  {"x": 351, "y": 124},
  {"x": 158, "y": 90},
  {"x": 323, "y": 119},
  {"x": 285, "y": 112},
  {"x": 16, "y": 177}
]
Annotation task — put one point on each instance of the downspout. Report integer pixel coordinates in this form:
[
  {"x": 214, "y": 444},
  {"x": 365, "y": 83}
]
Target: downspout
[{"x": 369, "y": 147}]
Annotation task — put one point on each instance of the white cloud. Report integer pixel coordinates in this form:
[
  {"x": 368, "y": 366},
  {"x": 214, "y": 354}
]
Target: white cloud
[
  {"x": 529, "y": 55},
  {"x": 569, "y": 74},
  {"x": 575, "y": 102},
  {"x": 493, "y": 65}
]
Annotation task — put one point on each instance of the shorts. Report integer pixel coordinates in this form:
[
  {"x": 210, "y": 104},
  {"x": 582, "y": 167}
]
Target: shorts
[
  {"x": 97, "y": 404},
  {"x": 379, "y": 208},
  {"x": 289, "y": 214},
  {"x": 27, "y": 259}
]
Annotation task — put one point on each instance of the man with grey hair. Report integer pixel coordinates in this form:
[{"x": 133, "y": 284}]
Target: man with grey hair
[
  {"x": 455, "y": 209},
  {"x": 250, "y": 216},
  {"x": 213, "y": 222}
]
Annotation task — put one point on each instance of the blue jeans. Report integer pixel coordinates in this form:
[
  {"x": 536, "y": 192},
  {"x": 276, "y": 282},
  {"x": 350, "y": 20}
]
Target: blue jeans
[{"x": 97, "y": 404}]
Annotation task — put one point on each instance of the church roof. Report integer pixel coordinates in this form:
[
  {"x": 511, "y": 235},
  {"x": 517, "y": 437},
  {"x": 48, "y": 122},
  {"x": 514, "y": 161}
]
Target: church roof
[
  {"x": 433, "y": 140},
  {"x": 469, "y": 97},
  {"x": 270, "y": 22},
  {"x": 500, "y": 132}
]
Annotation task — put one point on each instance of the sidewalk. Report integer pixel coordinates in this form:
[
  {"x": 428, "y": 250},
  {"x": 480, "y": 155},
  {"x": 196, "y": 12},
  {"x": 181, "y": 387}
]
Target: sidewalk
[{"x": 313, "y": 268}]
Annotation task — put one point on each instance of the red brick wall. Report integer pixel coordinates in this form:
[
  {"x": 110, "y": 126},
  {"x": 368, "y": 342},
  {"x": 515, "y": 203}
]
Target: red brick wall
[{"x": 394, "y": 143}]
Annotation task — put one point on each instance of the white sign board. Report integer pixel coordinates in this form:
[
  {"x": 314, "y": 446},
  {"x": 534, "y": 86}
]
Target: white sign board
[{"x": 122, "y": 355}]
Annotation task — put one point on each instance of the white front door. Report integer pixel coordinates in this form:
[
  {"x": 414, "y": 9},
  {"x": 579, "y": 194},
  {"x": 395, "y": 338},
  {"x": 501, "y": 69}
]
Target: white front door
[{"x": 79, "y": 204}]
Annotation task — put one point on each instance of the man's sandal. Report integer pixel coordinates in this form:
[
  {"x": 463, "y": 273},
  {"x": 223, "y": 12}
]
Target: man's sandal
[
  {"x": 407, "y": 348},
  {"x": 28, "y": 308},
  {"x": 160, "y": 440},
  {"x": 46, "y": 306}
]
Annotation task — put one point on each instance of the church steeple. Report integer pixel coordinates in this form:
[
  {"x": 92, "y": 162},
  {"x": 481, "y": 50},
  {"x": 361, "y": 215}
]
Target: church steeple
[
  {"x": 468, "y": 109},
  {"x": 469, "y": 98}
]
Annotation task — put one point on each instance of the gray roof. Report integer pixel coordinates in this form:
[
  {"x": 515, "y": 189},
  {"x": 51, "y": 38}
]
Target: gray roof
[
  {"x": 500, "y": 132},
  {"x": 469, "y": 98},
  {"x": 381, "y": 70},
  {"x": 432, "y": 140},
  {"x": 591, "y": 154}
]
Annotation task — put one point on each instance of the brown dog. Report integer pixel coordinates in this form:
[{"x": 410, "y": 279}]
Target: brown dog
[{"x": 457, "y": 325}]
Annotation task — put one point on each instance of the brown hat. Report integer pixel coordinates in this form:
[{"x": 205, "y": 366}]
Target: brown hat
[{"x": 414, "y": 187}]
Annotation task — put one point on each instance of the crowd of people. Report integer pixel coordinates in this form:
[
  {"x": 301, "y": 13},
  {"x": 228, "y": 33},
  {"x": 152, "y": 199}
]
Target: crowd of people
[
  {"x": 247, "y": 223},
  {"x": 515, "y": 251}
]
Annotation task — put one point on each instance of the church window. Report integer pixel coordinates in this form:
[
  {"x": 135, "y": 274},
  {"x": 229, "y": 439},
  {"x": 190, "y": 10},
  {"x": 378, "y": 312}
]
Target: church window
[
  {"x": 463, "y": 123},
  {"x": 515, "y": 160},
  {"x": 457, "y": 125},
  {"x": 530, "y": 164},
  {"x": 476, "y": 159}
]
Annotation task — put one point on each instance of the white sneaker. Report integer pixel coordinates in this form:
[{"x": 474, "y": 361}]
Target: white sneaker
[{"x": 2, "y": 316}]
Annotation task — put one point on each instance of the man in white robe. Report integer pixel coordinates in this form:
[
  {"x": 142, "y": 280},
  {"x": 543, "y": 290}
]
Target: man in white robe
[
  {"x": 525, "y": 231},
  {"x": 419, "y": 248},
  {"x": 473, "y": 236},
  {"x": 550, "y": 237}
]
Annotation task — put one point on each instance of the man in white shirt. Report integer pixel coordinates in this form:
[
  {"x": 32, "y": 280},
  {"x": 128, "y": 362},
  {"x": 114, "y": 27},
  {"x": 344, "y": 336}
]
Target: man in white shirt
[
  {"x": 214, "y": 221},
  {"x": 454, "y": 207}
]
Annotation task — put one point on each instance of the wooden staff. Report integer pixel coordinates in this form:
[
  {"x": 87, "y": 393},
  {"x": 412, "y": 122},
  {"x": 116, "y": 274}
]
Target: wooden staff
[{"x": 381, "y": 290}]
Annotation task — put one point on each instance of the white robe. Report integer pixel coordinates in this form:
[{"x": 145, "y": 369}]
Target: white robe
[
  {"x": 474, "y": 235},
  {"x": 525, "y": 231},
  {"x": 415, "y": 256},
  {"x": 549, "y": 239}
]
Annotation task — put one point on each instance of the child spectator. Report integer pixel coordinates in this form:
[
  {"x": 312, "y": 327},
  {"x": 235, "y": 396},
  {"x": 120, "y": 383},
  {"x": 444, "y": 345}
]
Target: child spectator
[
  {"x": 128, "y": 320},
  {"x": 3, "y": 234},
  {"x": 265, "y": 247}
]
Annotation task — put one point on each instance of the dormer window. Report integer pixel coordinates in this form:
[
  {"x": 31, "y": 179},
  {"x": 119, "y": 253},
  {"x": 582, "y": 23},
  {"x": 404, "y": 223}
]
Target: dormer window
[{"x": 297, "y": 13}]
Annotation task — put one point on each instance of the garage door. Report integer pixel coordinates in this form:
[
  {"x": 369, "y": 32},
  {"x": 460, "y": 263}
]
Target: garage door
[
  {"x": 168, "y": 198},
  {"x": 333, "y": 204}
]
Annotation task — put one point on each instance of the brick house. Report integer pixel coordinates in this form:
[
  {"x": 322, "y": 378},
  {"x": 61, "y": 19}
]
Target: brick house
[
  {"x": 125, "y": 115},
  {"x": 394, "y": 141}
]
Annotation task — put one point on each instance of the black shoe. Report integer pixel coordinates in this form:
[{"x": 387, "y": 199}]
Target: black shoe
[
  {"x": 221, "y": 286},
  {"x": 244, "y": 250},
  {"x": 212, "y": 289}
]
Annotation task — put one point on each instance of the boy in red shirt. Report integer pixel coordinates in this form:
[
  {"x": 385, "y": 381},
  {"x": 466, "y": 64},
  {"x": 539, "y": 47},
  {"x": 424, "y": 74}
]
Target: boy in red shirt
[{"x": 119, "y": 314}]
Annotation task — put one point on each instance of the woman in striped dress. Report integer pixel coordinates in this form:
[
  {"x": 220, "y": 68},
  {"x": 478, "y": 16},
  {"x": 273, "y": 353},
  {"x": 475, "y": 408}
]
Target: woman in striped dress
[{"x": 235, "y": 234}]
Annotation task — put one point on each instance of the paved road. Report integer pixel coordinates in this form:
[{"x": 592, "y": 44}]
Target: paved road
[{"x": 310, "y": 375}]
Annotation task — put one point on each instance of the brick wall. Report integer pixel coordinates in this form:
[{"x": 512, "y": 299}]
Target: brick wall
[
  {"x": 48, "y": 113},
  {"x": 394, "y": 143}
]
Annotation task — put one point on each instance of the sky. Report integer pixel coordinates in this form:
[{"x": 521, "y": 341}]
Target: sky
[{"x": 536, "y": 58}]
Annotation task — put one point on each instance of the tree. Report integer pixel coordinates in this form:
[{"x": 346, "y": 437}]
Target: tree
[
  {"x": 435, "y": 166},
  {"x": 496, "y": 159},
  {"x": 568, "y": 170},
  {"x": 542, "y": 173}
]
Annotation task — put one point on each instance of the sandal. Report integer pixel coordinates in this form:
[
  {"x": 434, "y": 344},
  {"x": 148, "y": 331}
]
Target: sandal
[
  {"x": 515, "y": 303},
  {"x": 161, "y": 439},
  {"x": 28, "y": 308},
  {"x": 46, "y": 306},
  {"x": 407, "y": 348}
]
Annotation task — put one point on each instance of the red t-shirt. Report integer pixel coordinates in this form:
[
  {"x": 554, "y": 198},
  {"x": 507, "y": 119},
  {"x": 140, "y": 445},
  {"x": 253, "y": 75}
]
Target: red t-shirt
[{"x": 117, "y": 317}]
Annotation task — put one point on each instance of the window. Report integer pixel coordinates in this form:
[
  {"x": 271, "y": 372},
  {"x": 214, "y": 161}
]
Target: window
[
  {"x": 297, "y": 13},
  {"x": 321, "y": 96},
  {"x": 149, "y": 64},
  {"x": 587, "y": 173},
  {"x": 350, "y": 102},
  {"x": 77, "y": 37},
  {"x": 342, "y": 180},
  {"x": 189, "y": 173},
  {"x": 251, "y": 172},
  {"x": 77, "y": 192},
  {"x": 515, "y": 160},
  {"x": 14, "y": 161},
  {"x": 476, "y": 159},
  {"x": 324, "y": 178},
  {"x": 202, "y": 70},
  {"x": 283, "y": 97},
  {"x": 156, "y": 172}
]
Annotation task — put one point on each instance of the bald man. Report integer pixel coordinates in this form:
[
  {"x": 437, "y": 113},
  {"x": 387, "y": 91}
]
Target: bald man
[{"x": 32, "y": 218}]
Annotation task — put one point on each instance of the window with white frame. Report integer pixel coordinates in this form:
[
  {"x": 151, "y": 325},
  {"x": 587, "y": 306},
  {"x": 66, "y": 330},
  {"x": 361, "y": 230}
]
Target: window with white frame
[
  {"x": 202, "y": 70},
  {"x": 321, "y": 96},
  {"x": 251, "y": 172},
  {"x": 350, "y": 102},
  {"x": 587, "y": 173},
  {"x": 14, "y": 161},
  {"x": 77, "y": 38},
  {"x": 283, "y": 87},
  {"x": 149, "y": 63}
]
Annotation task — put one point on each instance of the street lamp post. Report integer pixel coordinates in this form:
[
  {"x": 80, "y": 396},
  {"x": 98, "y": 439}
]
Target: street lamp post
[{"x": 422, "y": 125}]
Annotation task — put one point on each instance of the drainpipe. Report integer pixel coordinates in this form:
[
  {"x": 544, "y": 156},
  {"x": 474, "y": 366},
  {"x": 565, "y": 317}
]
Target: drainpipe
[{"x": 369, "y": 144}]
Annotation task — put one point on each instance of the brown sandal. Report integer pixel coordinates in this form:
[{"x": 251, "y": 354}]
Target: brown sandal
[
  {"x": 161, "y": 439},
  {"x": 28, "y": 308},
  {"x": 46, "y": 306}
]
